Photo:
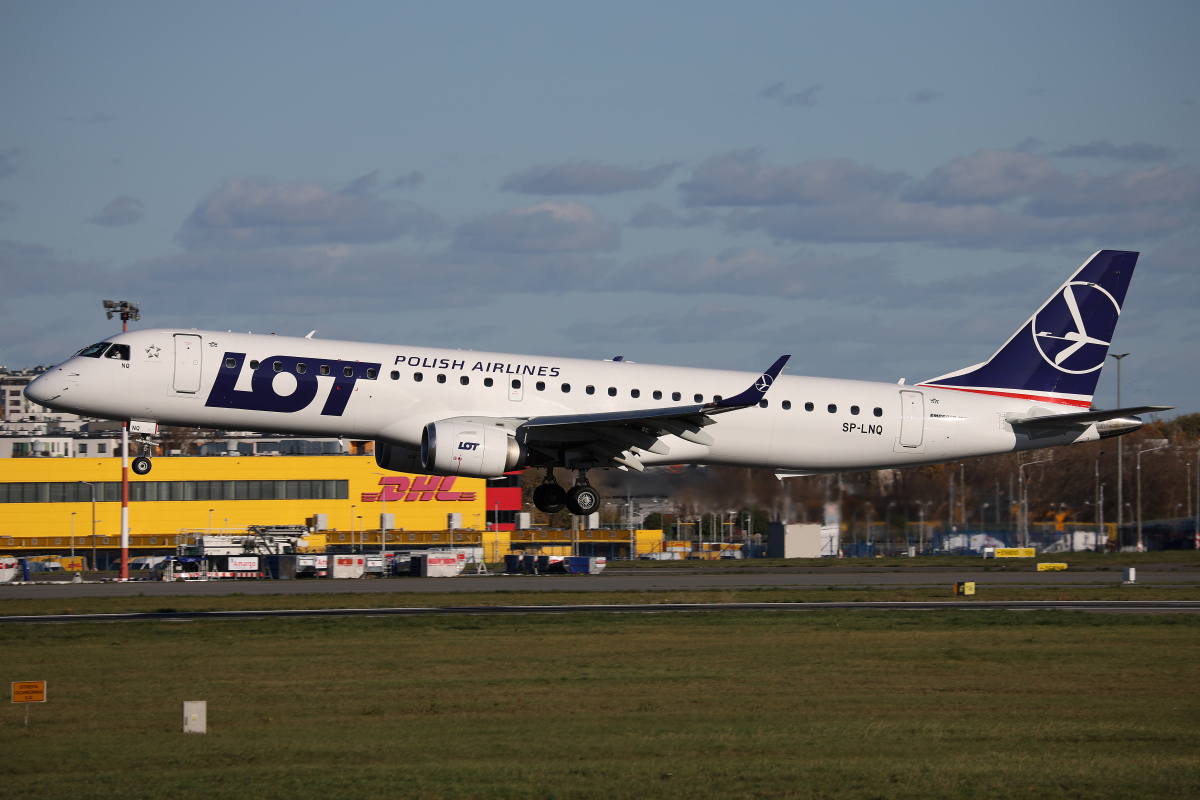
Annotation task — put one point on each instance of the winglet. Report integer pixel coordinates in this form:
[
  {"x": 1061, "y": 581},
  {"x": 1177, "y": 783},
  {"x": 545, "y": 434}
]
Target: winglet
[{"x": 755, "y": 393}]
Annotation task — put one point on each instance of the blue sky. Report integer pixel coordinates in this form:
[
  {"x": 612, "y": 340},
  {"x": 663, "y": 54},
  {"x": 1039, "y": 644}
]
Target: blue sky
[{"x": 883, "y": 190}]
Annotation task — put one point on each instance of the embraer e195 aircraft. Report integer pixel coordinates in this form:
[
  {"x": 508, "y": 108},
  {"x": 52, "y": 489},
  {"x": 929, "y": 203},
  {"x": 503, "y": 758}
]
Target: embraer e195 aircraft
[{"x": 463, "y": 412}]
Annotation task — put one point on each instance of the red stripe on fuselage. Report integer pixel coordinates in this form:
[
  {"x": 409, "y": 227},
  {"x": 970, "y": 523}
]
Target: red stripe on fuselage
[{"x": 1018, "y": 396}]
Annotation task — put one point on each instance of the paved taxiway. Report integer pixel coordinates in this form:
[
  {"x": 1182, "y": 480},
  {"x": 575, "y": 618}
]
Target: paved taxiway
[{"x": 618, "y": 580}]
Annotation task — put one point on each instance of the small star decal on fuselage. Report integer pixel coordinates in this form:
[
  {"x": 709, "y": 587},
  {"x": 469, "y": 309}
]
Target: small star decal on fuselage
[{"x": 152, "y": 351}]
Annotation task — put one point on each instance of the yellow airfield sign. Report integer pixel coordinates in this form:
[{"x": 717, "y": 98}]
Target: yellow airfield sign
[{"x": 29, "y": 691}]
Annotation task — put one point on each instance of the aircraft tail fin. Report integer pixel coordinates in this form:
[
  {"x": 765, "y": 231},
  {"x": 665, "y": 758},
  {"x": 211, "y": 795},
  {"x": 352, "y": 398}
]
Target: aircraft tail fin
[{"x": 1057, "y": 355}]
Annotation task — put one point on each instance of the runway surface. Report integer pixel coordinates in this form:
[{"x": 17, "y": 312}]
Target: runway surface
[
  {"x": 1120, "y": 606},
  {"x": 618, "y": 580}
]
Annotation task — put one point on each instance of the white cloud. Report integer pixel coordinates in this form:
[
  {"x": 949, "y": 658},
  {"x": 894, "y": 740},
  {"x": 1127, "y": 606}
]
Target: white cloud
[
  {"x": 123, "y": 210},
  {"x": 541, "y": 228},
  {"x": 586, "y": 177},
  {"x": 247, "y": 213}
]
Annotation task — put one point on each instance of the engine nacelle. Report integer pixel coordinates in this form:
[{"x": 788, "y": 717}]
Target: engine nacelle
[
  {"x": 395, "y": 458},
  {"x": 470, "y": 449}
]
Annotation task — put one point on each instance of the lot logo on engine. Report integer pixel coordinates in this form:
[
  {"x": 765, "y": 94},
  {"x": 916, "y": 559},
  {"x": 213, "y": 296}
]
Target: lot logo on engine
[{"x": 268, "y": 393}]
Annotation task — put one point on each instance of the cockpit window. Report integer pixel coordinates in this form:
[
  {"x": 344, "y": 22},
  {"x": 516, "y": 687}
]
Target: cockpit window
[
  {"x": 119, "y": 352},
  {"x": 93, "y": 350}
]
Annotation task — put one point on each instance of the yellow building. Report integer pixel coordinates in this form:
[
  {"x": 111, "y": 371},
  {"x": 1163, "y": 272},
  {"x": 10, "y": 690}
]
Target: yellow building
[
  {"x": 49, "y": 496},
  {"x": 47, "y": 502}
]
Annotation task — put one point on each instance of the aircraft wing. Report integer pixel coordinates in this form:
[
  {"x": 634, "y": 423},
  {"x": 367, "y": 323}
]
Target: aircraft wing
[
  {"x": 617, "y": 436},
  {"x": 1082, "y": 418}
]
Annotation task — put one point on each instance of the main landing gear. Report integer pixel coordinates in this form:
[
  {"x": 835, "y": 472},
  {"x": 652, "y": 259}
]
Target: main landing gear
[{"x": 582, "y": 499}]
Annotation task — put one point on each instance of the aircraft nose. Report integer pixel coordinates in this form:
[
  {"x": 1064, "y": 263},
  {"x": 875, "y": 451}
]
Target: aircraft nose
[{"x": 41, "y": 389}]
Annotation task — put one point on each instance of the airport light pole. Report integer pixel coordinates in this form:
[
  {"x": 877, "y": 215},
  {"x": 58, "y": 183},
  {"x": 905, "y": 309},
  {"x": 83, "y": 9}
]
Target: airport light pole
[
  {"x": 353, "y": 508},
  {"x": 73, "y": 538},
  {"x": 887, "y": 527},
  {"x": 1120, "y": 450},
  {"x": 1024, "y": 490},
  {"x": 1099, "y": 503},
  {"x": 92, "y": 486},
  {"x": 127, "y": 311},
  {"x": 210, "y": 513},
  {"x": 1141, "y": 546}
]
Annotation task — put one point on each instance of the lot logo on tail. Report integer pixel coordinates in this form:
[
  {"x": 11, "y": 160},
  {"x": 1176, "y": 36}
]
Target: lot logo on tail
[
  {"x": 287, "y": 384},
  {"x": 1073, "y": 330}
]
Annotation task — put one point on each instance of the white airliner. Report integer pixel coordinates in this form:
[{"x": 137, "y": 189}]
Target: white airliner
[{"x": 469, "y": 413}]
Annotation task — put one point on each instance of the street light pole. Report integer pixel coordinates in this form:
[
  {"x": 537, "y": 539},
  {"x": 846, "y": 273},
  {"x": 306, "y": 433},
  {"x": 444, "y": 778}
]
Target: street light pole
[
  {"x": 1141, "y": 546},
  {"x": 73, "y": 539},
  {"x": 1024, "y": 509},
  {"x": 92, "y": 486},
  {"x": 1120, "y": 449},
  {"x": 1099, "y": 503}
]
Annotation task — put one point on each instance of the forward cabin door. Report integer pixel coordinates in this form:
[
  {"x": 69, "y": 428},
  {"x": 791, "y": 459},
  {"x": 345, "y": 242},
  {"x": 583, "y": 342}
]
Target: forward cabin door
[
  {"x": 912, "y": 419},
  {"x": 187, "y": 363}
]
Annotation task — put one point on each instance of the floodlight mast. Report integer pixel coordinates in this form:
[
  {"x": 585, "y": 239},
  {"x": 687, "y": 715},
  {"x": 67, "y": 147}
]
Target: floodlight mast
[{"x": 127, "y": 311}]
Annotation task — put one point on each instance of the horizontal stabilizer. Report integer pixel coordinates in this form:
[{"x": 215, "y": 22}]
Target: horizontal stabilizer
[{"x": 1083, "y": 418}]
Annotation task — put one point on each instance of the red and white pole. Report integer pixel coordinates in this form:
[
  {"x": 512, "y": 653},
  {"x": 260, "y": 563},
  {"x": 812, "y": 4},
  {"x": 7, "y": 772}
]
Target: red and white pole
[
  {"x": 125, "y": 501},
  {"x": 124, "y": 484}
]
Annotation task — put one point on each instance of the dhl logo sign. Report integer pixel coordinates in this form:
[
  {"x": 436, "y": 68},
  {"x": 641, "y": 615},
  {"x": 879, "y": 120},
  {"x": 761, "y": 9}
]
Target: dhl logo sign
[{"x": 420, "y": 488}]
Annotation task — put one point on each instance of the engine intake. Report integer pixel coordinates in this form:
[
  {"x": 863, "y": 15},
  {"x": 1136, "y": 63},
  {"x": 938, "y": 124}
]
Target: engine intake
[{"x": 470, "y": 449}]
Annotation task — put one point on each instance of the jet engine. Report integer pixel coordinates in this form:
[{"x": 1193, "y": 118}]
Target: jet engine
[
  {"x": 470, "y": 449},
  {"x": 395, "y": 458}
]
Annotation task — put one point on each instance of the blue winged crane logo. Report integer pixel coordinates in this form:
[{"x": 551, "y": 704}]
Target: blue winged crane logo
[{"x": 1066, "y": 341}]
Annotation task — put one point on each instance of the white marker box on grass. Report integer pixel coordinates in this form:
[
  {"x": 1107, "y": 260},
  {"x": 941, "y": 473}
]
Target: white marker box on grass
[{"x": 195, "y": 716}]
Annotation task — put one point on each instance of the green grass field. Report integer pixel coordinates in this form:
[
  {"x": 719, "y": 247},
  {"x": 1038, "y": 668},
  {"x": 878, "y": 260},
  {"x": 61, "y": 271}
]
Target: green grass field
[{"x": 856, "y": 704}]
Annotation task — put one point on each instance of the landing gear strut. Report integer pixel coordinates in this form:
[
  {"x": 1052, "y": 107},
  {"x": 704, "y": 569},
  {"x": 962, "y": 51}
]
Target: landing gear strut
[
  {"x": 141, "y": 465},
  {"x": 581, "y": 500}
]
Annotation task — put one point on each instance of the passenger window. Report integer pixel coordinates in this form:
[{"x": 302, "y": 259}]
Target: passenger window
[
  {"x": 541, "y": 386},
  {"x": 441, "y": 378},
  {"x": 716, "y": 398},
  {"x": 348, "y": 372},
  {"x": 301, "y": 368},
  {"x": 612, "y": 391},
  {"x": 277, "y": 366},
  {"x": 464, "y": 380},
  {"x": 635, "y": 392},
  {"x": 516, "y": 384},
  {"x": 253, "y": 365},
  {"x": 566, "y": 387},
  {"x": 854, "y": 410},
  {"x": 832, "y": 408},
  {"x": 787, "y": 405},
  {"x": 657, "y": 394},
  {"x": 762, "y": 403},
  {"x": 395, "y": 375},
  {"x": 590, "y": 390},
  {"x": 699, "y": 398},
  {"x": 809, "y": 406},
  {"x": 879, "y": 412},
  {"x": 230, "y": 363},
  {"x": 418, "y": 377},
  {"x": 371, "y": 373},
  {"x": 324, "y": 368},
  {"x": 488, "y": 381},
  {"x": 676, "y": 396}
]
